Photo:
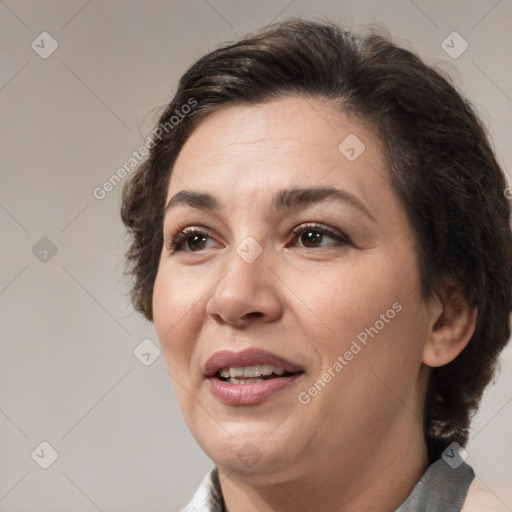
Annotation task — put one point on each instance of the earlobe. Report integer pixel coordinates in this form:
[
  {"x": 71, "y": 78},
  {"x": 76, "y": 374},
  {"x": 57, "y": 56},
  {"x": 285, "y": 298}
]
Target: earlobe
[{"x": 452, "y": 326}]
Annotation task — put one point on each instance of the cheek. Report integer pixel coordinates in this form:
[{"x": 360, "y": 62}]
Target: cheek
[
  {"x": 348, "y": 299},
  {"x": 369, "y": 368},
  {"x": 173, "y": 307},
  {"x": 369, "y": 313},
  {"x": 173, "y": 310}
]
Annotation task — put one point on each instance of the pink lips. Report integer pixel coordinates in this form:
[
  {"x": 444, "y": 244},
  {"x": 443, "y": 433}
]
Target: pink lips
[{"x": 248, "y": 394}]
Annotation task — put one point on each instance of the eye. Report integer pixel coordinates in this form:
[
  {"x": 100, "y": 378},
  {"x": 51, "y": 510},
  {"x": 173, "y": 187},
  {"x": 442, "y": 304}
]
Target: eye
[
  {"x": 316, "y": 236},
  {"x": 190, "y": 240}
]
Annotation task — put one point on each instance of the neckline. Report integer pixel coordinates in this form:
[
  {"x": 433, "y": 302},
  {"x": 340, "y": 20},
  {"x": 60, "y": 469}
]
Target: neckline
[{"x": 442, "y": 487}]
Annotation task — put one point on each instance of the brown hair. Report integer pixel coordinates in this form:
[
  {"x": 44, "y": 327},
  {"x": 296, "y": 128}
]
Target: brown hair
[{"x": 439, "y": 160}]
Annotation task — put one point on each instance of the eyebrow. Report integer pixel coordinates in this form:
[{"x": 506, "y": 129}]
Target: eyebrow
[
  {"x": 200, "y": 200},
  {"x": 285, "y": 200}
]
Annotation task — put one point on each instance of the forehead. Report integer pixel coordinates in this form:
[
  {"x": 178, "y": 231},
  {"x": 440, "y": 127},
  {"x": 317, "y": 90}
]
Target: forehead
[{"x": 297, "y": 141}]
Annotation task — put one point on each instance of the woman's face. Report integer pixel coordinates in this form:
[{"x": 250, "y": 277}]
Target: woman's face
[{"x": 297, "y": 261}]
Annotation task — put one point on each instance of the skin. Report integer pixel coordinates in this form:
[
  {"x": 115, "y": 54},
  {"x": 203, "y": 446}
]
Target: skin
[{"x": 358, "y": 444}]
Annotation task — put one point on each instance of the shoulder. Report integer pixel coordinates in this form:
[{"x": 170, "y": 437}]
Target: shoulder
[{"x": 481, "y": 499}]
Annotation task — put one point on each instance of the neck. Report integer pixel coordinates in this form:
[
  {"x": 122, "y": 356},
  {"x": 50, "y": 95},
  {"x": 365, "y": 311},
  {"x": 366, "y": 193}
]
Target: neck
[{"x": 379, "y": 478}]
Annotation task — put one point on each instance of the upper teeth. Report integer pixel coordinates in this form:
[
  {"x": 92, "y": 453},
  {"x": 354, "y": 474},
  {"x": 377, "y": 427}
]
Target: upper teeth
[{"x": 255, "y": 370}]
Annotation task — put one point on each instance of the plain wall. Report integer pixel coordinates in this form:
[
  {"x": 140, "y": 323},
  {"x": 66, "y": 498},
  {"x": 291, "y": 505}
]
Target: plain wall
[{"x": 68, "y": 375}]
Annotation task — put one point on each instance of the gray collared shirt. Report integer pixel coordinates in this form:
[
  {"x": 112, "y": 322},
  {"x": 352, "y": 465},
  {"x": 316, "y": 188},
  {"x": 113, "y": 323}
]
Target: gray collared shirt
[{"x": 441, "y": 489}]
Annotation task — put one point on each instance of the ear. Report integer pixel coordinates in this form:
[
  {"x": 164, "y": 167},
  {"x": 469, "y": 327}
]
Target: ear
[{"x": 453, "y": 322}]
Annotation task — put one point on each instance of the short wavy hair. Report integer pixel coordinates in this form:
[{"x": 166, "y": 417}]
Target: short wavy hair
[{"x": 439, "y": 161}]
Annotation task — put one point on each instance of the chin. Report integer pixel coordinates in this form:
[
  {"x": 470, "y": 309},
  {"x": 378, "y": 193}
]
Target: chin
[{"x": 249, "y": 450}]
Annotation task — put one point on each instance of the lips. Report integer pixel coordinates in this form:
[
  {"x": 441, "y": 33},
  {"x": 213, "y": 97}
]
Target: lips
[
  {"x": 249, "y": 357},
  {"x": 249, "y": 376}
]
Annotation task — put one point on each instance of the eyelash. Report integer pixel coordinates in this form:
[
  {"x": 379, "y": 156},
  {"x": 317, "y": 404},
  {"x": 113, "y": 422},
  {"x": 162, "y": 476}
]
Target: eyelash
[
  {"x": 181, "y": 236},
  {"x": 338, "y": 237}
]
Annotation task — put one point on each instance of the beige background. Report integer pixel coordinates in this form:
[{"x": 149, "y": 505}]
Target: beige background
[{"x": 68, "y": 373}]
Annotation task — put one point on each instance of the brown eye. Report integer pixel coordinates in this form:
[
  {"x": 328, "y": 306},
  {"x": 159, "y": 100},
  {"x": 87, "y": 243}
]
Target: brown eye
[
  {"x": 311, "y": 238},
  {"x": 318, "y": 237},
  {"x": 196, "y": 242},
  {"x": 190, "y": 240}
]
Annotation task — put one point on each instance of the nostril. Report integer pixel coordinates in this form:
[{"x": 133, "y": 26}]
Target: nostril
[{"x": 255, "y": 314}]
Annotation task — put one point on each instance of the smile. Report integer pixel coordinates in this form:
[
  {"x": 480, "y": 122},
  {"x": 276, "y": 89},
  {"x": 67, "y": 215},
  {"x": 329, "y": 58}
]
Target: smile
[
  {"x": 250, "y": 374},
  {"x": 248, "y": 377}
]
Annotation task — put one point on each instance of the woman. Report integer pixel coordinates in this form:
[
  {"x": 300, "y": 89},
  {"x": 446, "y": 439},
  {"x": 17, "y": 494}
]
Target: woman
[{"x": 321, "y": 238}]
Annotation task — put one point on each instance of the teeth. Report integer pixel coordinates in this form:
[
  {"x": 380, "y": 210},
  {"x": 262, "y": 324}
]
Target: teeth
[
  {"x": 236, "y": 372},
  {"x": 244, "y": 381},
  {"x": 267, "y": 369},
  {"x": 250, "y": 373}
]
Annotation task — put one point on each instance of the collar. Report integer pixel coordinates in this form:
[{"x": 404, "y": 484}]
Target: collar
[{"x": 441, "y": 488}]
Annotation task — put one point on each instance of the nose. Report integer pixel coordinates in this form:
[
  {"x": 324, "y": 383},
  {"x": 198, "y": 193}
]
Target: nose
[{"x": 246, "y": 293}]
